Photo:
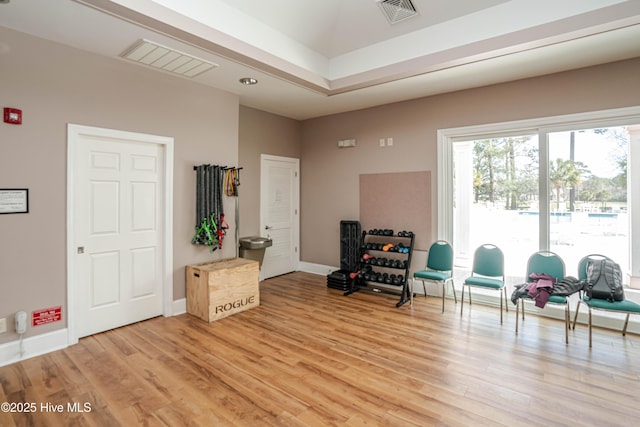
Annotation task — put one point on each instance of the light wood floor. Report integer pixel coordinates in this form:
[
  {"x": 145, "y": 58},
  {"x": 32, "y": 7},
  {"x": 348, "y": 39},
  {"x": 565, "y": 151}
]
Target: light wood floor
[{"x": 310, "y": 356}]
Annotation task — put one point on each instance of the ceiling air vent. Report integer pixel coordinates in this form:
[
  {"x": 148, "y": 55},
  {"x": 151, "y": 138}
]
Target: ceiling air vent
[
  {"x": 167, "y": 59},
  {"x": 397, "y": 10}
]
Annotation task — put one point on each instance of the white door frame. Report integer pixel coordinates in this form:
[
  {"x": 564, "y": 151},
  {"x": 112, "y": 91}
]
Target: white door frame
[
  {"x": 166, "y": 143},
  {"x": 296, "y": 204}
]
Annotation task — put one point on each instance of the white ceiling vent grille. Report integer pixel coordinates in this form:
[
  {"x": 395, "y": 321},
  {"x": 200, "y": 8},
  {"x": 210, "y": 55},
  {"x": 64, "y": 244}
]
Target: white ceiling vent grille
[
  {"x": 397, "y": 10},
  {"x": 167, "y": 59}
]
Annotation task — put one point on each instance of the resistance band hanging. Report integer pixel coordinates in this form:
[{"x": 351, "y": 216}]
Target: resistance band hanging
[
  {"x": 211, "y": 183},
  {"x": 210, "y": 224},
  {"x": 231, "y": 184}
]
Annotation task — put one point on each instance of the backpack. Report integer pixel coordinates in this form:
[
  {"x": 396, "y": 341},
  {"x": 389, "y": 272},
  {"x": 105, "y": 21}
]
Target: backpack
[{"x": 604, "y": 280}]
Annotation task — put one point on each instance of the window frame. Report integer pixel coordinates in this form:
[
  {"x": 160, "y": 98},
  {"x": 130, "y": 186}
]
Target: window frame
[{"x": 542, "y": 127}]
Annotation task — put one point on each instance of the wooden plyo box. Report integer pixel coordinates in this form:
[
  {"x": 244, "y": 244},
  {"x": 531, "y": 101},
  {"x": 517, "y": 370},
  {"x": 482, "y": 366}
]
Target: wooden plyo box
[{"x": 219, "y": 289}]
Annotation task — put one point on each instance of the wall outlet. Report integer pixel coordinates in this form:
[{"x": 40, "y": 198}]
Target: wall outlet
[{"x": 3, "y": 325}]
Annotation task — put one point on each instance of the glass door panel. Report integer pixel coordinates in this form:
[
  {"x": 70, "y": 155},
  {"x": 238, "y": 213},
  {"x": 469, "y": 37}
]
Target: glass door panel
[
  {"x": 496, "y": 200},
  {"x": 588, "y": 195}
]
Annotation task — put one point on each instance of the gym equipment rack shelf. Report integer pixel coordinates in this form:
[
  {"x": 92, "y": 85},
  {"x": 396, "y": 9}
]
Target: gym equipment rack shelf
[
  {"x": 350, "y": 243},
  {"x": 384, "y": 264}
]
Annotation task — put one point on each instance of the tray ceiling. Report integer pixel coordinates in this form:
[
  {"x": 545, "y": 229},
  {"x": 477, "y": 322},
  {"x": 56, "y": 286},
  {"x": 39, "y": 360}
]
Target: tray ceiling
[{"x": 318, "y": 57}]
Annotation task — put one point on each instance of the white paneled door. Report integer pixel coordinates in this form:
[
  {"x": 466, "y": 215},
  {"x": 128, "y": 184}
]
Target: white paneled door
[
  {"x": 279, "y": 218},
  {"x": 119, "y": 244}
]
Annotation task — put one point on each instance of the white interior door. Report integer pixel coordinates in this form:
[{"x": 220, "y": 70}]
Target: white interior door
[
  {"x": 118, "y": 193},
  {"x": 279, "y": 219}
]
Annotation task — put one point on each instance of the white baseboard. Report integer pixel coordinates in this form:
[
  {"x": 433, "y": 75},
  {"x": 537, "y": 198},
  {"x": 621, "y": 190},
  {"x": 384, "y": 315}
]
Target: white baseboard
[
  {"x": 320, "y": 269},
  {"x": 33, "y": 346},
  {"x": 179, "y": 307},
  {"x": 52, "y": 341}
]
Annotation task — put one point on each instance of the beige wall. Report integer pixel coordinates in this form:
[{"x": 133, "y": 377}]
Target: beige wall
[
  {"x": 260, "y": 133},
  {"x": 329, "y": 175},
  {"x": 55, "y": 85}
]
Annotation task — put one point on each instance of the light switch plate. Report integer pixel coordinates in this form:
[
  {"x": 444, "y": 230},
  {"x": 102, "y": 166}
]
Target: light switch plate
[{"x": 3, "y": 325}]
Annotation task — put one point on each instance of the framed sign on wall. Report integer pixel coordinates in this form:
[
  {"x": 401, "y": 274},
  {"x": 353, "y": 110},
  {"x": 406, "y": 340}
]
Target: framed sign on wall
[{"x": 14, "y": 200}]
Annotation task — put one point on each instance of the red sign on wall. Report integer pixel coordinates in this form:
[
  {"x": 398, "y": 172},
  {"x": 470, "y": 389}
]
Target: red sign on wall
[{"x": 47, "y": 315}]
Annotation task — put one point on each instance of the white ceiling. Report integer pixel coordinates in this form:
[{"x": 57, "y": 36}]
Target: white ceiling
[{"x": 319, "y": 57}]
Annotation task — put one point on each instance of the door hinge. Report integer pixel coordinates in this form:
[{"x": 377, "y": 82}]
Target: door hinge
[{"x": 296, "y": 249}]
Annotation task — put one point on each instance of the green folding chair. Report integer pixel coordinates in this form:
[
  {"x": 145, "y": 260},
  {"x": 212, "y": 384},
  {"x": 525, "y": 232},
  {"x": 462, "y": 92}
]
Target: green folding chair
[
  {"x": 625, "y": 306},
  {"x": 487, "y": 273},
  {"x": 549, "y": 263},
  {"x": 439, "y": 268}
]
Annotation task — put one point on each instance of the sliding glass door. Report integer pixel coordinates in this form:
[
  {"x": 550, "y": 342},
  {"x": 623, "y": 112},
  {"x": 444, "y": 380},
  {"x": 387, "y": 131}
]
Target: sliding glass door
[
  {"x": 559, "y": 187},
  {"x": 588, "y": 185},
  {"x": 496, "y": 198}
]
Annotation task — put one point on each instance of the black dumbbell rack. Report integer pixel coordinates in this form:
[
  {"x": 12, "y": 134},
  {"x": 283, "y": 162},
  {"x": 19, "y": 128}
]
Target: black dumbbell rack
[
  {"x": 385, "y": 263},
  {"x": 350, "y": 234}
]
